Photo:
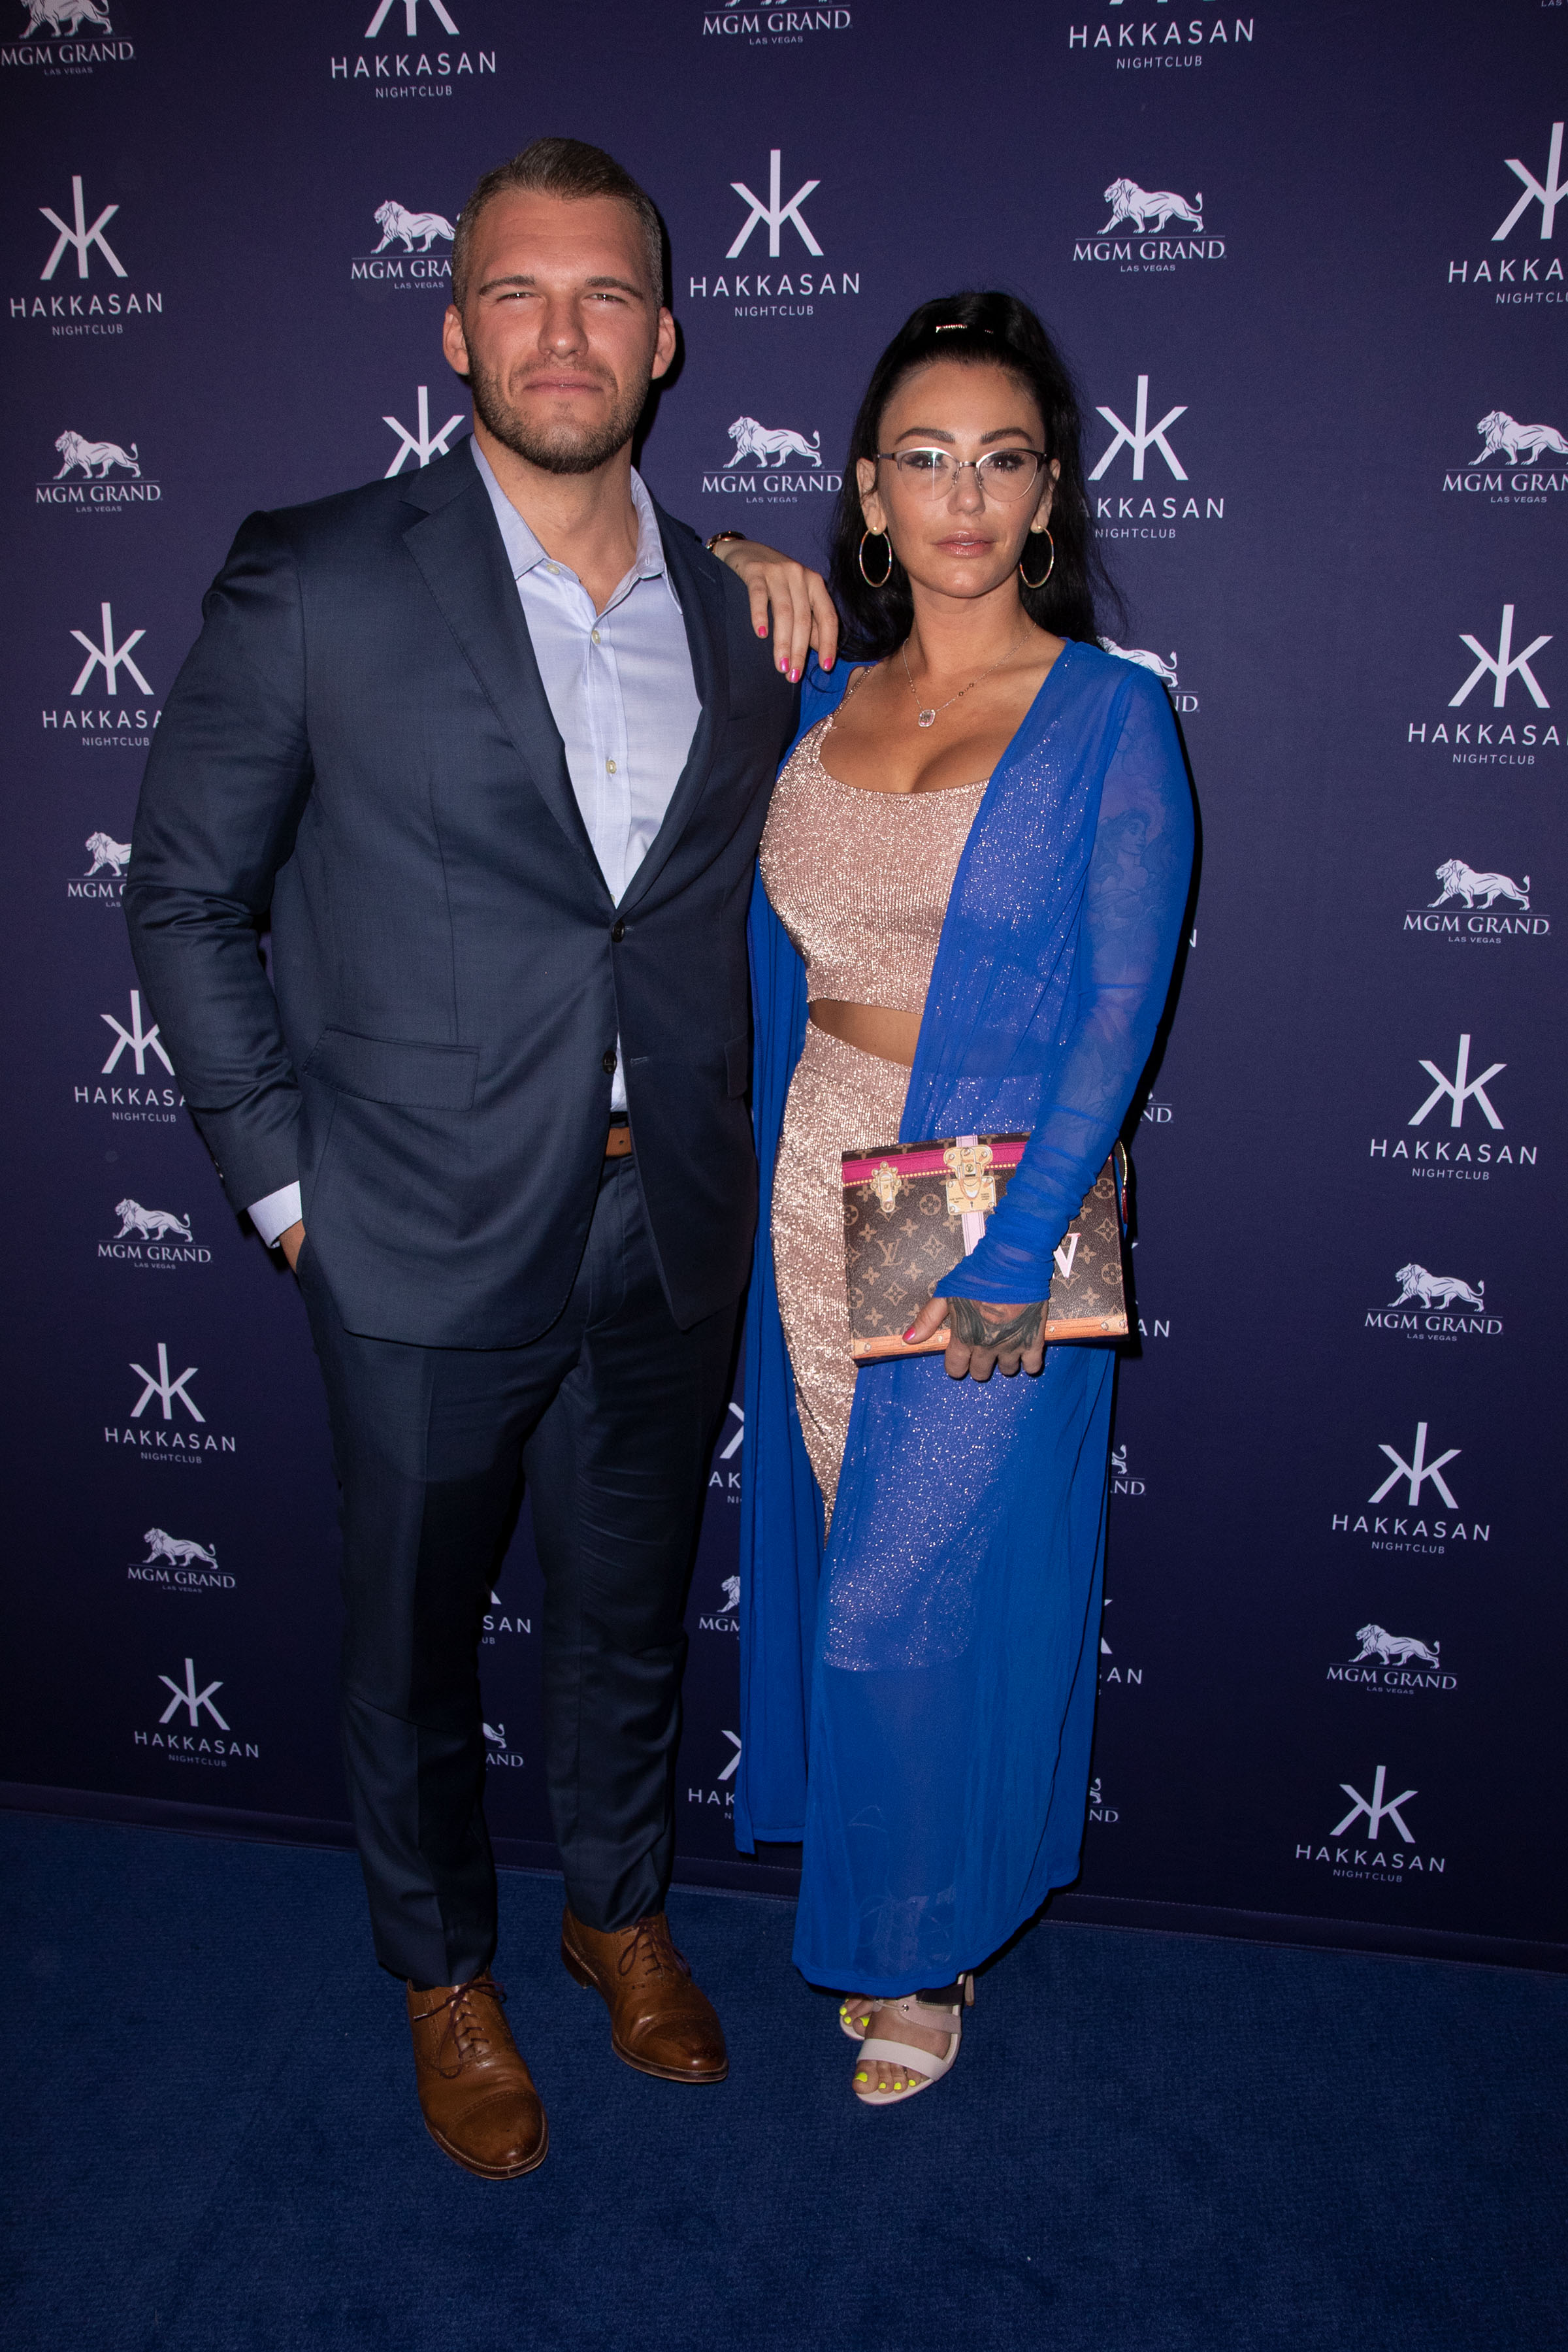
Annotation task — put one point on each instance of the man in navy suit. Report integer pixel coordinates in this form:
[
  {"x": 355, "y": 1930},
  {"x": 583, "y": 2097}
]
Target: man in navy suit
[{"x": 492, "y": 744}]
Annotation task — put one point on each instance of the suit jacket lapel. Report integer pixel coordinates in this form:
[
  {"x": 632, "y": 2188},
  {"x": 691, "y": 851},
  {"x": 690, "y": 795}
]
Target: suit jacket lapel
[
  {"x": 462, "y": 560},
  {"x": 701, "y": 595}
]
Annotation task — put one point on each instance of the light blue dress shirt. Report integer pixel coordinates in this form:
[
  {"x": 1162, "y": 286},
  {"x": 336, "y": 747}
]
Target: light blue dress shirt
[{"x": 621, "y": 692}]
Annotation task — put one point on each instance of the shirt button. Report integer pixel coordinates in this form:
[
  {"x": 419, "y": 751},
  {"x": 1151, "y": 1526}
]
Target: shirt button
[
  {"x": 609, "y": 1062},
  {"x": 553, "y": 567},
  {"x": 618, "y": 931},
  {"x": 611, "y": 766},
  {"x": 594, "y": 635}
]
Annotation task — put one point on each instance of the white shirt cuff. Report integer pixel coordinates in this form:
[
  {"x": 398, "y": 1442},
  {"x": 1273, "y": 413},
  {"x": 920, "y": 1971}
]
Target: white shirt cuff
[{"x": 277, "y": 1213}]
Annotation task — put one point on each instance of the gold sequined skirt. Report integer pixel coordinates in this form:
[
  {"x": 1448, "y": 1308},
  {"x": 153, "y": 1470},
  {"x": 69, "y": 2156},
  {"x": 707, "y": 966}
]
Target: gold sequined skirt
[{"x": 839, "y": 1098}]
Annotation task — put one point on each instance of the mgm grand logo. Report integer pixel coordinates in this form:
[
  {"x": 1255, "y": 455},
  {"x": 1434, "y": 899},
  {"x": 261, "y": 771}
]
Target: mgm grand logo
[
  {"x": 772, "y": 462},
  {"x": 1518, "y": 465},
  {"x": 1394, "y": 1661},
  {"x": 1139, "y": 236},
  {"x": 1436, "y": 1306}
]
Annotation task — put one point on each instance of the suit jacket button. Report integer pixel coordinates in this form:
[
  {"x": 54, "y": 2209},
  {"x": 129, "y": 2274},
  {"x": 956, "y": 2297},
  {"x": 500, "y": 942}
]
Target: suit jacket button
[
  {"x": 609, "y": 1062},
  {"x": 618, "y": 931}
]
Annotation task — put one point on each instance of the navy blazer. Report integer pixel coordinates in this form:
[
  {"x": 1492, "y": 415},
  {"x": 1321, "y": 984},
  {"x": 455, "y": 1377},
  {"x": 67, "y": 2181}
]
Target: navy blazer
[{"x": 360, "y": 742}]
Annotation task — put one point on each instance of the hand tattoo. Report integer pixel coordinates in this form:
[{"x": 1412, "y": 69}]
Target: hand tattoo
[{"x": 967, "y": 1317}]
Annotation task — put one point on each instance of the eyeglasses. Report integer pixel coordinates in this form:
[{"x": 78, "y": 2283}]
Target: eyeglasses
[{"x": 1002, "y": 474}]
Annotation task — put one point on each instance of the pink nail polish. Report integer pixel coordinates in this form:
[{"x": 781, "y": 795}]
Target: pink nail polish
[
  {"x": 762, "y": 628},
  {"x": 794, "y": 677},
  {"x": 910, "y": 1332}
]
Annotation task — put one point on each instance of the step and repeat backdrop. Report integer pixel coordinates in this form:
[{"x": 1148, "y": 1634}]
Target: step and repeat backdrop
[{"x": 1309, "y": 264}]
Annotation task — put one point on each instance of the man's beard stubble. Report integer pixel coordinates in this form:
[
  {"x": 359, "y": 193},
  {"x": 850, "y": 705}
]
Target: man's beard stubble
[{"x": 570, "y": 449}]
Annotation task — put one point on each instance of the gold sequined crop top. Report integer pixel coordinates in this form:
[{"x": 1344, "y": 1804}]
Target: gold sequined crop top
[{"x": 860, "y": 880}]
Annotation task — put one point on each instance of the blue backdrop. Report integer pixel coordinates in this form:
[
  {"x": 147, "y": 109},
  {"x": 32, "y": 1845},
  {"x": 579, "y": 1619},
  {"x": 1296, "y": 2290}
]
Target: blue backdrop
[{"x": 1295, "y": 253}]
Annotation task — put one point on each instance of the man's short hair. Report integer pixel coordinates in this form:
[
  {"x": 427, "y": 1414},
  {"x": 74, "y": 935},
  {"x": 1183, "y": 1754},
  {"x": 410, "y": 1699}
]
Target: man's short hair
[{"x": 561, "y": 167}]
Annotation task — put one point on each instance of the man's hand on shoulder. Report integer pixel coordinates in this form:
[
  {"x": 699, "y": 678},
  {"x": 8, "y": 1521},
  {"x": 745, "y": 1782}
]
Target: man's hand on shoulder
[
  {"x": 801, "y": 610},
  {"x": 291, "y": 1241}
]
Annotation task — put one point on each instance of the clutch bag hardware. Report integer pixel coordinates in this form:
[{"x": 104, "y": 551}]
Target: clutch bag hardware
[{"x": 912, "y": 1211}]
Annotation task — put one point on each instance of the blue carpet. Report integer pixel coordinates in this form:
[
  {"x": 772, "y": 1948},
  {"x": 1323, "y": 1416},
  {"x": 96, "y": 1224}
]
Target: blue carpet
[{"x": 1150, "y": 2142}]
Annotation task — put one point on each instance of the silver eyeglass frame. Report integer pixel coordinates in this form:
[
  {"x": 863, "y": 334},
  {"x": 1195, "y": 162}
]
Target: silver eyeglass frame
[{"x": 963, "y": 465}]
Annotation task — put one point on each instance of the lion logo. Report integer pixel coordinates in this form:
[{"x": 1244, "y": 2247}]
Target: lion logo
[
  {"x": 731, "y": 1596},
  {"x": 64, "y": 16},
  {"x": 178, "y": 1550},
  {"x": 1392, "y": 1649},
  {"x": 150, "y": 1224},
  {"x": 393, "y": 222},
  {"x": 1164, "y": 671},
  {"x": 1462, "y": 881},
  {"x": 109, "y": 857},
  {"x": 1501, "y": 433},
  {"x": 757, "y": 445},
  {"x": 74, "y": 451},
  {"x": 1135, "y": 205},
  {"x": 1435, "y": 1289}
]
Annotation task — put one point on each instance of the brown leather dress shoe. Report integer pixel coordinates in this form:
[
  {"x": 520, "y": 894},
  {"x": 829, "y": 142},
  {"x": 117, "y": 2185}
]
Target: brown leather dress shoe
[
  {"x": 661, "y": 2022},
  {"x": 478, "y": 2097}
]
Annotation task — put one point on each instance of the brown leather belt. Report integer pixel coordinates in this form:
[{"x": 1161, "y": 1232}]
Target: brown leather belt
[{"x": 618, "y": 1142}]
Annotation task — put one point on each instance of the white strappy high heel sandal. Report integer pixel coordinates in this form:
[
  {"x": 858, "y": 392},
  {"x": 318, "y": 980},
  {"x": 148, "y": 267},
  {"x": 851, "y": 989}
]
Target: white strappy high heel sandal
[{"x": 854, "y": 2015}]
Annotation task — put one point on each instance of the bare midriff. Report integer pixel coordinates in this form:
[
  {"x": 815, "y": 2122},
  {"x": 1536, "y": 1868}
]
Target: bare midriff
[{"x": 874, "y": 1029}]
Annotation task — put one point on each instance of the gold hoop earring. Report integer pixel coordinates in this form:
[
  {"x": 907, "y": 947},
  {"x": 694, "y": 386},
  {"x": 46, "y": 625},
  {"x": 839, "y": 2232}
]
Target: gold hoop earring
[
  {"x": 860, "y": 559},
  {"x": 1050, "y": 567}
]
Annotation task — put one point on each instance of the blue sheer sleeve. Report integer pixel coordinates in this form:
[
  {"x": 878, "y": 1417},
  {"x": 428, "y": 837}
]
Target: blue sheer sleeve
[{"x": 1135, "y": 892}]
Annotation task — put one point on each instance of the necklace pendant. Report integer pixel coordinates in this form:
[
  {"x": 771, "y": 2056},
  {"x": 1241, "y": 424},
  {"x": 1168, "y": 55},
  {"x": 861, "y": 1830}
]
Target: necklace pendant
[{"x": 926, "y": 718}]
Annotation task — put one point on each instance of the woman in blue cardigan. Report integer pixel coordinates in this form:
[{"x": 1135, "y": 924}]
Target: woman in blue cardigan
[{"x": 970, "y": 896}]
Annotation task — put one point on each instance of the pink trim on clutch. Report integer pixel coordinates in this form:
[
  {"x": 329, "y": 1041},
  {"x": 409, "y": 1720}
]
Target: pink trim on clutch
[{"x": 859, "y": 1170}]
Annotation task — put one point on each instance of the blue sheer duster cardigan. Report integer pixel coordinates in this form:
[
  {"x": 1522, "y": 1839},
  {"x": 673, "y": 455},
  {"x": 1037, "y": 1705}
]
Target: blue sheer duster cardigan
[{"x": 917, "y": 1698}]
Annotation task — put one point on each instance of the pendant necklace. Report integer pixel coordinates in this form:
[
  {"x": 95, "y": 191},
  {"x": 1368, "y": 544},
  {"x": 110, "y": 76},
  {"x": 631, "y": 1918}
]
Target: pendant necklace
[{"x": 927, "y": 717}]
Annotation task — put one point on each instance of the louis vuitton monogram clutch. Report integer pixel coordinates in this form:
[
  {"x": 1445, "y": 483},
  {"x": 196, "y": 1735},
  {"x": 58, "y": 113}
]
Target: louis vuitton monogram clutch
[{"x": 912, "y": 1210}]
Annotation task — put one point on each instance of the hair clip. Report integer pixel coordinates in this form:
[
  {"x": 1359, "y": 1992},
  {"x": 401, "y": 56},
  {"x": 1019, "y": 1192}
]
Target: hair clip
[{"x": 962, "y": 327}]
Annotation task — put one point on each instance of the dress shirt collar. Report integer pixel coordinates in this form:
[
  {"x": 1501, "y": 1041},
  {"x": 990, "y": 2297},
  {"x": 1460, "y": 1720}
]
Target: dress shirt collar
[{"x": 525, "y": 553}]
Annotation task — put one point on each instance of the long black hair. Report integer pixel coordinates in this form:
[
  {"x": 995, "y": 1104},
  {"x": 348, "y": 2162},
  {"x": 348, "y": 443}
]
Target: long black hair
[{"x": 990, "y": 330}]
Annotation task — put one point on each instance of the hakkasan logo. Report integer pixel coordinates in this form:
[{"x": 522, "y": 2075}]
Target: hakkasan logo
[
  {"x": 413, "y": 253},
  {"x": 1399, "y": 1515},
  {"x": 1370, "y": 1855},
  {"x": 413, "y": 49},
  {"x": 65, "y": 40},
  {"x": 1500, "y": 714},
  {"x": 1148, "y": 44},
  {"x": 165, "y": 1424},
  {"x": 136, "y": 1084},
  {"x": 103, "y": 713},
  {"x": 775, "y": 274},
  {"x": 85, "y": 287},
  {"x": 192, "y": 1730},
  {"x": 1130, "y": 480},
  {"x": 1521, "y": 264},
  {"x": 1480, "y": 1148},
  {"x": 1516, "y": 466},
  {"x": 774, "y": 28},
  {"x": 1151, "y": 232},
  {"x": 772, "y": 464},
  {"x": 1477, "y": 907}
]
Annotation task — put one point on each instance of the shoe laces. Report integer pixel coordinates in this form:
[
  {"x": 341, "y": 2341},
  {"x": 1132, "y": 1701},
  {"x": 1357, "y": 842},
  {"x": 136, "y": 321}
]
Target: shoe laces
[
  {"x": 465, "y": 2029},
  {"x": 651, "y": 1949}
]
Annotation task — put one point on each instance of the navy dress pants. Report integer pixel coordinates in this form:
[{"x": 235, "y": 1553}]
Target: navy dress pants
[{"x": 609, "y": 1418}]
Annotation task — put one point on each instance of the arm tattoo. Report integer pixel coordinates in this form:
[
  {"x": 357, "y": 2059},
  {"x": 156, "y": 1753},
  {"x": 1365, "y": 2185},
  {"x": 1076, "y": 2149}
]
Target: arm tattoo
[{"x": 970, "y": 1327}]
